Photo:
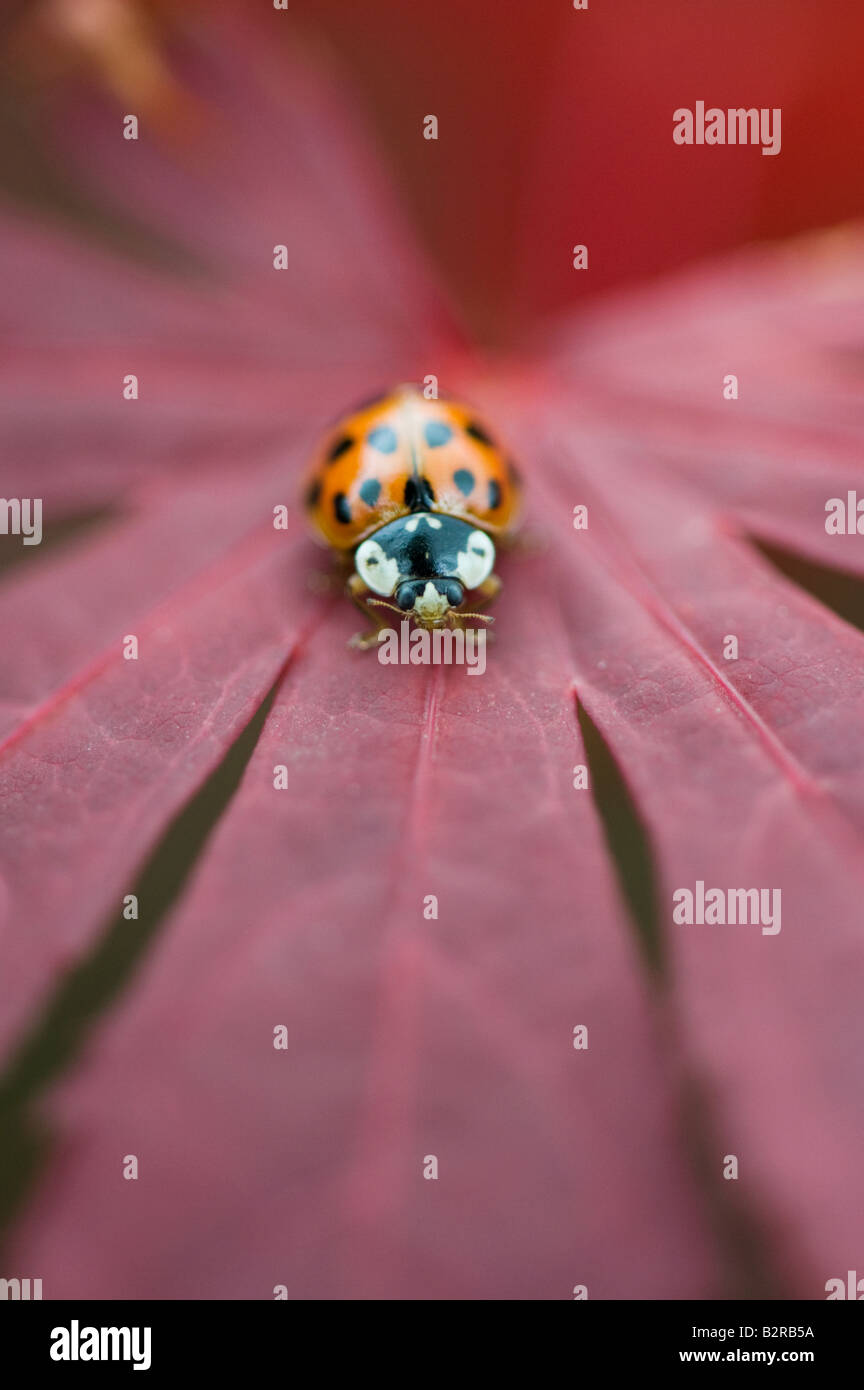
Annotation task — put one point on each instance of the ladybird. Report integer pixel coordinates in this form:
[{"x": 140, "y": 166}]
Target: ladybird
[{"x": 414, "y": 490}]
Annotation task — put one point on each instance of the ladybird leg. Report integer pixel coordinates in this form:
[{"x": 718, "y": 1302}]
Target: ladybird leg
[
  {"x": 358, "y": 592},
  {"x": 488, "y": 591}
]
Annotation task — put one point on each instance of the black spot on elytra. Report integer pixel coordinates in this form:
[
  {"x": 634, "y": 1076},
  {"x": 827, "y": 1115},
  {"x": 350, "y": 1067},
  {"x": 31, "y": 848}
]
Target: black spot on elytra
[
  {"x": 313, "y": 493},
  {"x": 383, "y": 439},
  {"x": 477, "y": 432},
  {"x": 418, "y": 494},
  {"x": 370, "y": 491},
  {"x": 464, "y": 480},
  {"x": 339, "y": 448},
  {"x": 341, "y": 510},
  {"x": 437, "y": 433},
  {"x": 494, "y": 493}
]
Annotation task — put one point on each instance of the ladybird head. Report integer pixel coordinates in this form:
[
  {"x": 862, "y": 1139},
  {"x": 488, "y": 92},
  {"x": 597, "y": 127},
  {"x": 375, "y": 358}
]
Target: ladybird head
[
  {"x": 429, "y": 599},
  {"x": 426, "y": 562}
]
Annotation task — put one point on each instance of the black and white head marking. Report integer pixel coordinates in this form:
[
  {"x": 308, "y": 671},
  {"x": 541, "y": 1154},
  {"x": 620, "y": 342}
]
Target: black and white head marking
[
  {"x": 425, "y": 553},
  {"x": 424, "y": 518},
  {"x": 476, "y": 561},
  {"x": 379, "y": 571}
]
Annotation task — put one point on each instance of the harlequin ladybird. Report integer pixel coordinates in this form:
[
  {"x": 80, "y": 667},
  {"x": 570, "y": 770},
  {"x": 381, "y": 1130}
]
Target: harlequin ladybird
[{"x": 414, "y": 490}]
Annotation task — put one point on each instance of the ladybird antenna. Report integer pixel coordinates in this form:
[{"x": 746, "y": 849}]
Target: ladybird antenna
[
  {"x": 478, "y": 617},
  {"x": 382, "y": 603}
]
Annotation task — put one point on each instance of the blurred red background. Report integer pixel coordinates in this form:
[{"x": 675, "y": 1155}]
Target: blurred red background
[{"x": 555, "y": 126}]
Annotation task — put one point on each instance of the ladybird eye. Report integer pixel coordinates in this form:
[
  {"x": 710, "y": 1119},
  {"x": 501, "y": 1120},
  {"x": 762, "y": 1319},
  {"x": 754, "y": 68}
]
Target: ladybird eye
[
  {"x": 475, "y": 562},
  {"x": 378, "y": 572}
]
